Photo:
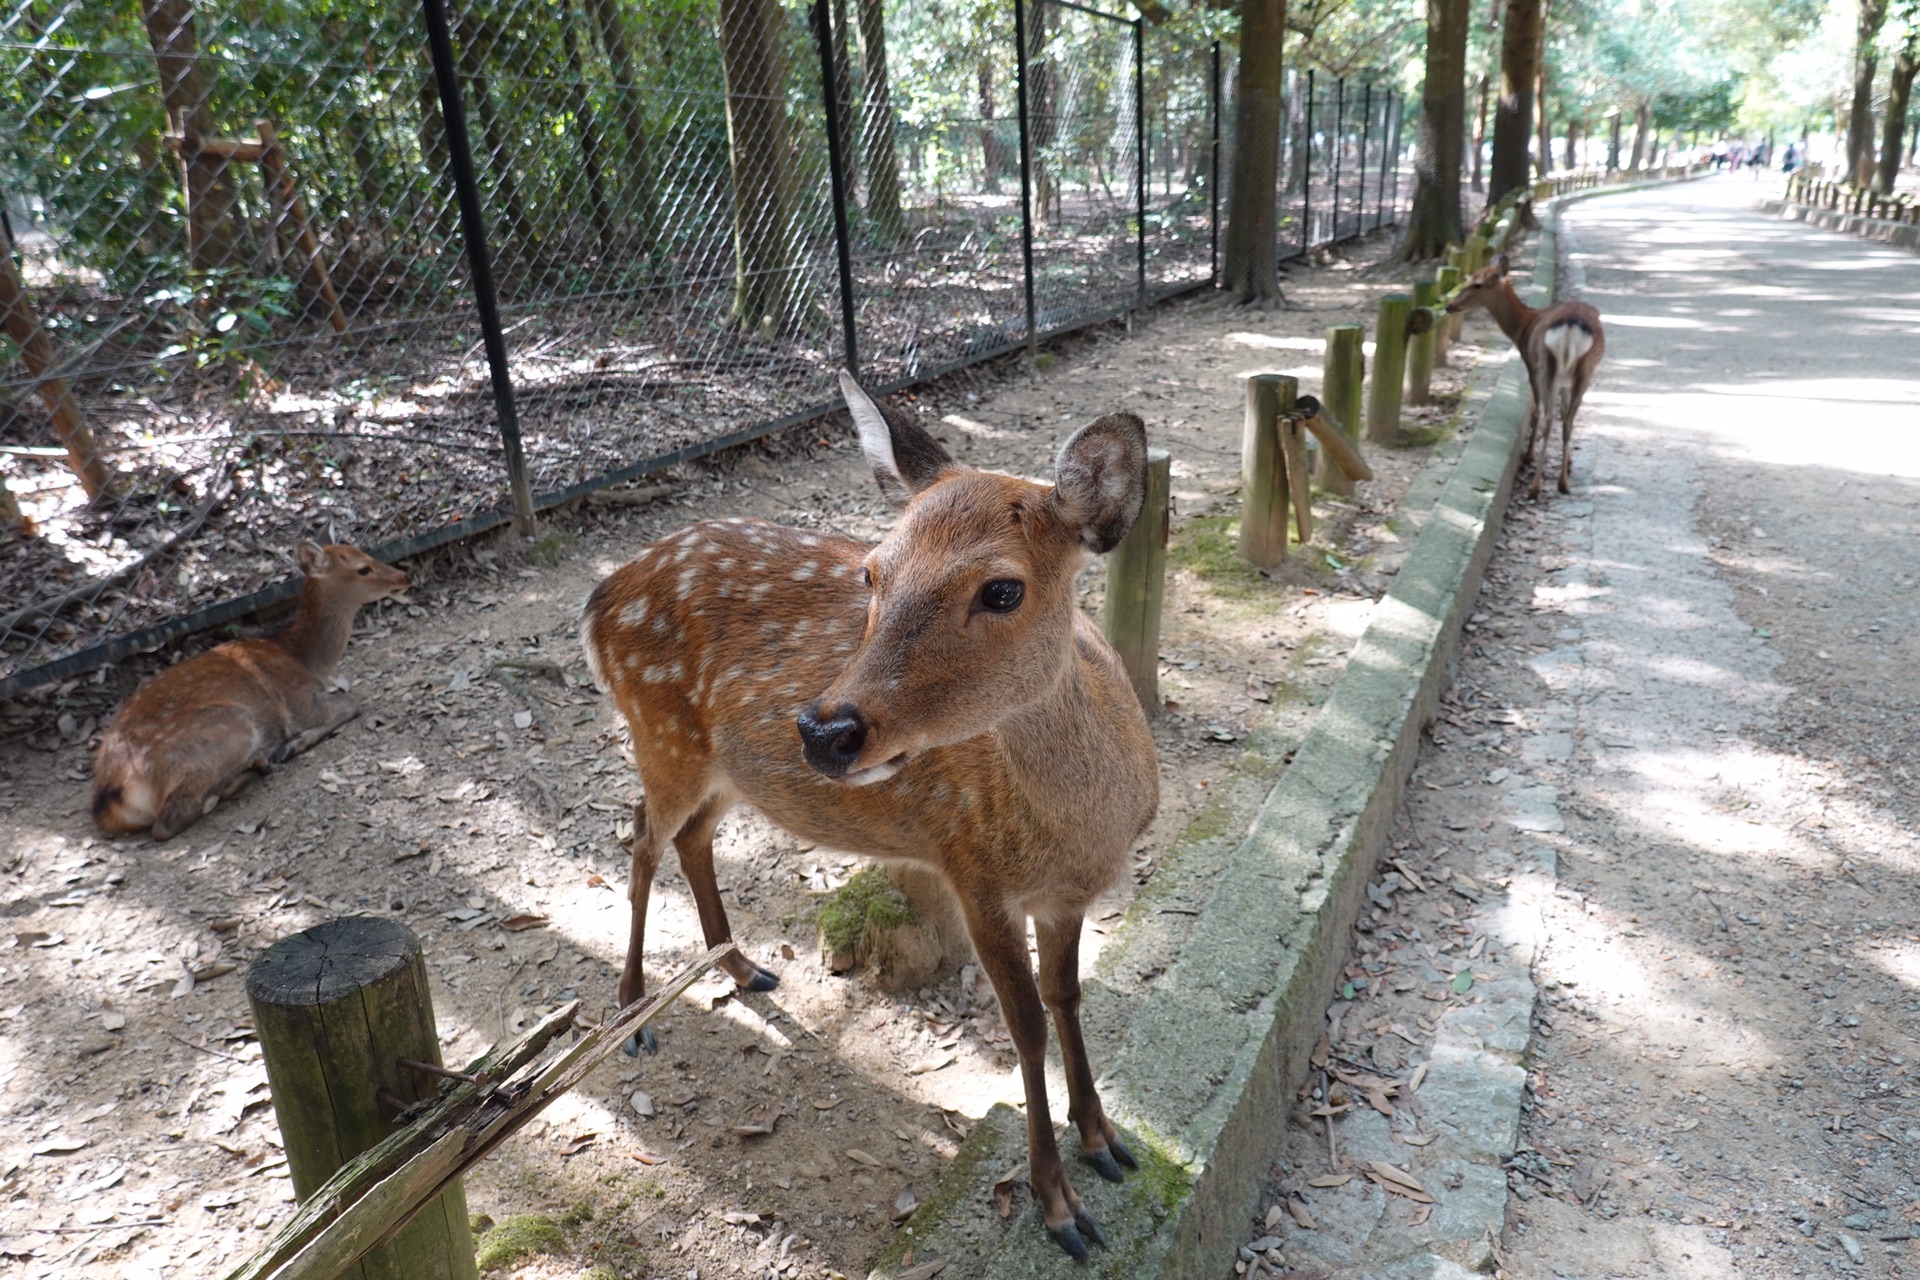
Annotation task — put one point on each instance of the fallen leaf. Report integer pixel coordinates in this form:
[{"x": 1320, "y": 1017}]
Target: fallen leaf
[
  {"x": 60, "y": 1145},
  {"x": 1419, "y": 1077},
  {"x": 1003, "y": 1188},
  {"x": 925, "y": 1269},
  {"x": 647, "y": 1157},
  {"x": 1324, "y": 1180},
  {"x": 1274, "y": 1214},
  {"x": 757, "y": 1128},
  {"x": 521, "y": 923},
  {"x": 905, "y": 1203},
  {"x": 1300, "y": 1215},
  {"x": 933, "y": 1063},
  {"x": 1462, "y": 982},
  {"x": 734, "y": 1218},
  {"x": 1377, "y": 1099},
  {"x": 786, "y": 951},
  {"x": 826, "y": 1105},
  {"x": 642, "y": 1102},
  {"x": 1400, "y": 1176},
  {"x": 574, "y": 1146},
  {"x": 858, "y": 1156},
  {"x": 1416, "y": 1139},
  {"x": 183, "y": 987},
  {"x": 1420, "y": 1214}
]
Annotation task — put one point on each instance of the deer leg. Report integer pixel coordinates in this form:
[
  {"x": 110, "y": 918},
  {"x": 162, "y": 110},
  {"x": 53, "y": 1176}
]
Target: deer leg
[
  {"x": 633, "y": 982},
  {"x": 1575, "y": 393},
  {"x": 1100, "y": 1144},
  {"x": 1001, "y": 943},
  {"x": 695, "y": 843},
  {"x": 338, "y": 708},
  {"x": 1540, "y": 417}
]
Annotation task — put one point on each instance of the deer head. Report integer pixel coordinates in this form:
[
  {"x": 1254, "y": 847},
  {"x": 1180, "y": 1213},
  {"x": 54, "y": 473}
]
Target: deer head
[
  {"x": 1481, "y": 288},
  {"x": 347, "y": 575},
  {"x": 970, "y": 616}
]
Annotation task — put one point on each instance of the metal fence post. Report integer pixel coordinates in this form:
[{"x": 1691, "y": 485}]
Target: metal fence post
[
  {"x": 1140, "y": 151},
  {"x": 1026, "y": 162},
  {"x": 1393, "y": 197},
  {"x": 1366, "y": 137},
  {"x": 837, "y": 172},
  {"x": 1386, "y": 161},
  {"x": 1339, "y": 125},
  {"x": 1306, "y": 178},
  {"x": 473, "y": 227},
  {"x": 1213, "y": 177}
]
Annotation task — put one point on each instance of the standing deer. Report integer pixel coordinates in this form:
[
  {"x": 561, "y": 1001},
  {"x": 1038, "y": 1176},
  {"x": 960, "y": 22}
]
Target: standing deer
[
  {"x": 938, "y": 698},
  {"x": 196, "y": 733},
  {"x": 1560, "y": 345}
]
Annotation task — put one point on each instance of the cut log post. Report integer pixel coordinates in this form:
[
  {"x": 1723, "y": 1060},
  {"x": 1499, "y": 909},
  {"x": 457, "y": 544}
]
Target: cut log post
[
  {"x": 1293, "y": 448},
  {"x": 291, "y": 212},
  {"x": 1264, "y": 490},
  {"x": 1343, "y": 380},
  {"x": 337, "y": 1009},
  {"x": 1389, "y": 368},
  {"x": 1450, "y": 278},
  {"x": 1136, "y": 586},
  {"x": 1421, "y": 335},
  {"x": 36, "y": 352},
  {"x": 1479, "y": 252}
]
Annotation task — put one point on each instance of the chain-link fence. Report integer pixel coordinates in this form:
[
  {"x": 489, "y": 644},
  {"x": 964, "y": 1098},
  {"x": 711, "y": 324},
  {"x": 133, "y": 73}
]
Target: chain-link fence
[{"x": 393, "y": 276}]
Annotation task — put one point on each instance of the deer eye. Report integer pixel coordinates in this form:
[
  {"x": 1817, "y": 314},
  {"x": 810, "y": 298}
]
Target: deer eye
[
  {"x": 365, "y": 569},
  {"x": 1002, "y": 595},
  {"x": 866, "y": 577}
]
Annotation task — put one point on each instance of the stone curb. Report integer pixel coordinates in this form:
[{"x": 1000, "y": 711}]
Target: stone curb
[
  {"x": 1906, "y": 235},
  {"x": 1205, "y": 1070}
]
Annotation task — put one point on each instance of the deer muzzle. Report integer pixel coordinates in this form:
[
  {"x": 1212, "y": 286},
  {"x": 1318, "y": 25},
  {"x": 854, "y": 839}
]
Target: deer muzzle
[{"x": 833, "y": 740}]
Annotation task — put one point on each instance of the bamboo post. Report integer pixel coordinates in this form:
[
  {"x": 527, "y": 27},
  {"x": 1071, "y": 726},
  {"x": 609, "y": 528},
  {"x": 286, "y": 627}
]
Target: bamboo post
[
  {"x": 337, "y": 1010},
  {"x": 288, "y": 209},
  {"x": 1342, "y": 378},
  {"x": 1264, "y": 490},
  {"x": 1420, "y": 343},
  {"x": 36, "y": 352},
  {"x": 1136, "y": 586},
  {"x": 1389, "y": 367},
  {"x": 1447, "y": 280}
]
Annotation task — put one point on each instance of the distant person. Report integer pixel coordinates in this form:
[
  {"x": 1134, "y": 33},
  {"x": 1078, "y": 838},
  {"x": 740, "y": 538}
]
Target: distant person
[{"x": 1791, "y": 160}]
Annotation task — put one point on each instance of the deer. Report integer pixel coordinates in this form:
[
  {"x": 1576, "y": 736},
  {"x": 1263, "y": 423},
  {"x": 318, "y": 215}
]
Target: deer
[
  {"x": 196, "y": 733},
  {"x": 1560, "y": 345},
  {"x": 937, "y": 699}
]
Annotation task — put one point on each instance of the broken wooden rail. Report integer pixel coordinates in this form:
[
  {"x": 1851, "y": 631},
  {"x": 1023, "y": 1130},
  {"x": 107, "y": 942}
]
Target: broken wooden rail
[{"x": 378, "y": 1192}]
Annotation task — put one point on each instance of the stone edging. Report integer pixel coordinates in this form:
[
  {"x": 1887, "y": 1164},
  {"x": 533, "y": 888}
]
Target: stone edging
[
  {"x": 1904, "y": 234},
  {"x": 1205, "y": 1070}
]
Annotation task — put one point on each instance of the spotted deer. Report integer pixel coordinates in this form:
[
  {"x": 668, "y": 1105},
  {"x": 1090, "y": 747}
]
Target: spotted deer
[
  {"x": 196, "y": 733},
  {"x": 1560, "y": 345},
  {"x": 937, "y": 699}
]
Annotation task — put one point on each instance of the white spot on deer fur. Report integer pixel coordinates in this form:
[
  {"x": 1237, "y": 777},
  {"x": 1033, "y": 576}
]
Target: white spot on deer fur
[
  {"x": 723, "y": 564},
  {"x": 660, "y": 625},
  {"x": 686, "y": 582},
  {"x": 759, "y": 589},
  {"x": 804, "y": 572},
  {"x": 593, "y": 657},
  {"x": 808, "y": 540},
  {"x": 654, "y": 674},
  {"x": 801, "y": 628},
  {"x": 636, "y": 613},
  {"x": 758, "y": 566},
  {"x": 735, "y": 520},
  {"x": 840, "y": 570}
]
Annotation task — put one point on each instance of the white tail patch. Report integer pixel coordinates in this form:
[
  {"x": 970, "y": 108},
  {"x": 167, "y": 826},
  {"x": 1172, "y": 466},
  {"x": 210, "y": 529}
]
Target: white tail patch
[
  {"x": 1567, "y": 342},
  {"x": 593, "y": 654}
]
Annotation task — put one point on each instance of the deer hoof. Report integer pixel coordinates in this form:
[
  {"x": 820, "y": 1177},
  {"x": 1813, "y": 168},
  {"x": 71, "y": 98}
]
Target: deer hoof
[
  {"x": 1121, "y": 1153},
  {"x": 1068, "y": 1237},
  {"x": 1089, "y": 1228},
  {"x": 762, "y": 980},
  {"x": 1105, "y": 1163},
  {"x": 641, "y": 1039}
]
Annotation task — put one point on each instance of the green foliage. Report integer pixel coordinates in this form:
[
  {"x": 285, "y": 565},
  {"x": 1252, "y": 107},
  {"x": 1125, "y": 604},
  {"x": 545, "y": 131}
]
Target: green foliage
[
  {"x": 864, "y": 905},
  {"x": 516, "y": 1239}
]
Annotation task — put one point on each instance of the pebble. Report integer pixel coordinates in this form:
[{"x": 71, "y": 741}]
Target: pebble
[{"x": 1852, "y": 1247}]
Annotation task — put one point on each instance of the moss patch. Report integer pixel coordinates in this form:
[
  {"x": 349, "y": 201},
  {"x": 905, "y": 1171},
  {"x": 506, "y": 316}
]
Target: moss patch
[
  {"x": 517, "y": 1238},
  {"x": 865, "y": 904},
  {"x": 1209, "y": 548}
]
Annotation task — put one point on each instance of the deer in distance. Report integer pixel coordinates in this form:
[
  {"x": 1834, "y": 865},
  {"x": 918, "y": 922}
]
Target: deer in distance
[
  {"x": 1560, "y": 345},
  {"x": 198, "y": 732},
  {"x": 937, "y": 699}
]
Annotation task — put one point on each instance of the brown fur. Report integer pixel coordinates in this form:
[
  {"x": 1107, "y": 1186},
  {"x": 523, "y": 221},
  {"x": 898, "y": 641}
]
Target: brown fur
[
  {"x": 1025, "y": 766},
  {"x": 196, "y": 733},
  {"x": 1527, "y": 329}
]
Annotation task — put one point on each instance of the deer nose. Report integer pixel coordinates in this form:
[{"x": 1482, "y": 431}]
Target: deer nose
[{"x": 832, "y": 741}]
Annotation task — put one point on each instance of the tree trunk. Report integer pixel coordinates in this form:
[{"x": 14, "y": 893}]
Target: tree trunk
[
  {"x": 1543, "y": 156},
  {"x": 19, "y": 323},
  {"x": 589, "y": 134},
  {"x": 1573, "y": 138},
  {"x": 1899, "y": 94},
  {"x": 884, "y": 212},
  {"x": 843, "y": 90},
  {"x": 477, "y": 42},
  {"x": 765, "y": 255},
  {"x": 1040, "y": 119},
  {"x": 1434, "y": 222},
  {"x": 1513, "y": 113},
  {"x": 992, "y": 154},
  {"x": 1642, "y": 121},
  {"x": 212, "y": 236},
  {"x": 1860, "y": 117},
  {"x": 1251, "y": 275},
  {"x": 1480, "y": 139},
  {"x": 637, "y": 160}
]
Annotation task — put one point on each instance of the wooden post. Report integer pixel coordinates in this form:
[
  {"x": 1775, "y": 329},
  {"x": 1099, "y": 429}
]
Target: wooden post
[
  {"x": 1342, "y": 381},
  {"x": 1389, "y": 367},
  {"x": 1136, "y": 586},
  {"x": 337, "y": 1009},
  {"x": 1264, "y": 490},
  {"x": 1293, "y": 449},
  {"x": 1479, "y": 253},
  {"x": 1420, "y": 343},
  {"x": 36, "y": 352},
  {"x": 1447, "y": 280},
  {"x": 289, "y": 209}
]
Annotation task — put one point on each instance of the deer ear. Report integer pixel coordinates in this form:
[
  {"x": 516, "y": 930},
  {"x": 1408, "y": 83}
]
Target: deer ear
[
  {"x": 904, "y": 457},
  {"x": 1100, "y": 480},
  {"x": 310, "y": 556},
  {"x": 1503, "y": 264}
]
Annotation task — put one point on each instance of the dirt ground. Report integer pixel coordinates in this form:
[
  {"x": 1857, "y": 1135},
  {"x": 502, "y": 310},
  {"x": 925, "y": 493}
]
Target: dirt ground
[
  {"x": 1691, "y": 685},
  {"x": 479, "y": 799}
]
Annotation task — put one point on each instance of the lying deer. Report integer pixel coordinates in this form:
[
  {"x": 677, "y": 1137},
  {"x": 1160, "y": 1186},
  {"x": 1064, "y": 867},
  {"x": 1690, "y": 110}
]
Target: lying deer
[
  {"x": 938, "y": 699},
  {"x": 1561, "y": 346},
  {"x": 196, "y": 733}
]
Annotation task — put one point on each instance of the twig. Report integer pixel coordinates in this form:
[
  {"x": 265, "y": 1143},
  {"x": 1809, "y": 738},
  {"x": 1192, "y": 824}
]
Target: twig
[{"x": 202, "y": 1048}]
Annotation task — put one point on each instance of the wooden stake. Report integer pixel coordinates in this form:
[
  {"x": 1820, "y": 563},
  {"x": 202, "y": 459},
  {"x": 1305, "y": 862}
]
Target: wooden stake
[
  {"x": 1389, "y": 368},
  {"x": 288, "y": 209},
  {"x": 1136, "y": 586},
  {"x": 1293, "y": 448},
  {"x": 1340, "y": 451},
  {"x": 336, "y": 1008},
  {"x": 1447, "y": 280},
  {"x": 36, "y": 351},
  {"x": 1420, "y": 342},
  {"x": 1264, "y": 488},
  {"x": 1343, "y": 378}
]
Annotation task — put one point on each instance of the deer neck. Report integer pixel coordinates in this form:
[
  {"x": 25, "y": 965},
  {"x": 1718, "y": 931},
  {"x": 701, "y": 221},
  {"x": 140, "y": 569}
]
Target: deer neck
[
  {"x": 317, "y": 636},
  {"x": 1513, "y": 316},
  {"x": 1061, "y": 757}
]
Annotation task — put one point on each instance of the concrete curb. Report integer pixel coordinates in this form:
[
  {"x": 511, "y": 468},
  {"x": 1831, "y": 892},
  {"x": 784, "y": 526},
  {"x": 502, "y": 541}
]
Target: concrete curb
[
  {"x": 1904, "y": 234},
  {"x": 1204, "y": 1072}
]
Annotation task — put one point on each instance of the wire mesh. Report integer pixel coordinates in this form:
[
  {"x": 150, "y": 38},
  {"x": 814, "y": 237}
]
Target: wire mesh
[{"x": 240, "y": 307}]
